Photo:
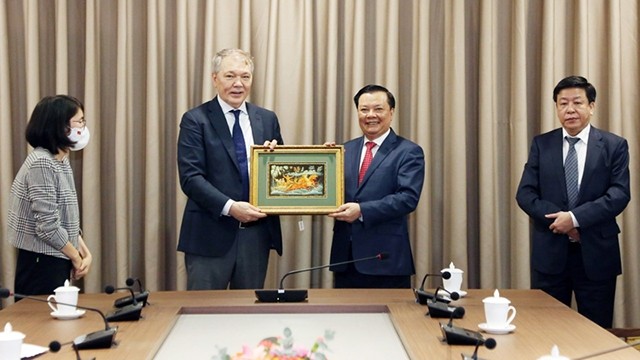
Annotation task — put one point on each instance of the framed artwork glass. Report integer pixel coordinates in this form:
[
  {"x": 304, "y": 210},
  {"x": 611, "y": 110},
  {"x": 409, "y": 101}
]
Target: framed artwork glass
[{"x": 292, "y": 180}]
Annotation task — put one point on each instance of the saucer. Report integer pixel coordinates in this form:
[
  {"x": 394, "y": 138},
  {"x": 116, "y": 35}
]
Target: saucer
[
  {"x": 445, "y": 294},
  {"x": 78, "y": 313},
  {"x": 497, "y": 331}
]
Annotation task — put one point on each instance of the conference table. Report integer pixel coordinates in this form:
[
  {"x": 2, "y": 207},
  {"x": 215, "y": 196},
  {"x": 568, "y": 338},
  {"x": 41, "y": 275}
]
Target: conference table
[{"x": 541, "y": 322}]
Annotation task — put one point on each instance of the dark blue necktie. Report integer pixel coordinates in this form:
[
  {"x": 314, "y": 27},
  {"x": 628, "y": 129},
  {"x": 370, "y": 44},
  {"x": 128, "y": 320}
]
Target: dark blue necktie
[
  {"x": 241, "y": 155},
  {"x": 571, "y": 172}
]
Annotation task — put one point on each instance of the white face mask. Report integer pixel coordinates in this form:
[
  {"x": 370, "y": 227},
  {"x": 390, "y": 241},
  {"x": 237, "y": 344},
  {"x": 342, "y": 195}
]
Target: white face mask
[{"x": 80, "y": 136}]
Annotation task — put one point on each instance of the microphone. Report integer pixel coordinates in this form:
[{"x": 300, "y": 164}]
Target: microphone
[
  {"x": 442, "y": 310},
  {"x": 454, "y": 335},
  {"x": 101, "y": 339},
  {"x": 490, "y": 344},
  {"x": 633, "y": 344},
  {"x": 423, "y": 296},
  {"x": 130, "y": 312},
  {"x": 55, "y": 346},
  {"x": 280, "y": 295},
  {"x": 142, "y": 296}
]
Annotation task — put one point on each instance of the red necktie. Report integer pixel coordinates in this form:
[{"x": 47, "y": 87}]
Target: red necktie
[{"x": 368, "y": 157}]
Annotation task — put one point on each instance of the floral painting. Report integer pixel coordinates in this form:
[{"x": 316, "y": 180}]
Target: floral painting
[
  {"x": 296, "y": 179},
  {"x": 280, "y": 348}
]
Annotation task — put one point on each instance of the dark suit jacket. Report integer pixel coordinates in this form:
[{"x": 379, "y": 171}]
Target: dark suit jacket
[
  {"x": 604, "y": 193},
  {"x": 389, "y": 192},
  {"x": 210, "y": 175}
]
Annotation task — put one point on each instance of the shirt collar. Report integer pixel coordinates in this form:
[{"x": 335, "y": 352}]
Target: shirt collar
[
  {"x": 583, "y": 135},
  {"x": 379, "y": 140},
  {"x": 226, "y": 107}
]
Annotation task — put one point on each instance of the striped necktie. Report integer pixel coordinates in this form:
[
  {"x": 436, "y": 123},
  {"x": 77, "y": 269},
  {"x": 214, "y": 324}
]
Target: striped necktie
[{"x": 571, "y": 172}]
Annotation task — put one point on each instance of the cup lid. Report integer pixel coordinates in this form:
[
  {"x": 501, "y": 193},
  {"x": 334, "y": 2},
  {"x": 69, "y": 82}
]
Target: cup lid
[
  {"x": 452, "y": 269},
  {"x": 496, "y": 299},
  {"x": 555, "y": 355},
  {"x": 8, "y": 334},
  {"x": 66, "y": 287}
]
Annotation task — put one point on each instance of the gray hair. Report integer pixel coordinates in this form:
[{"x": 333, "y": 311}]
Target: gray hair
[{"x": 217, "y": 59}]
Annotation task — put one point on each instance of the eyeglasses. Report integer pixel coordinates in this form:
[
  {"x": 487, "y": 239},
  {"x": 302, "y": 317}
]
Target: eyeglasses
[{"x": 82, "y": 122}]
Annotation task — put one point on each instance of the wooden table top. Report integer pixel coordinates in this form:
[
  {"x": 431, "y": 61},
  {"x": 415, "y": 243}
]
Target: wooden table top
[{"x": 541, "y": 322}]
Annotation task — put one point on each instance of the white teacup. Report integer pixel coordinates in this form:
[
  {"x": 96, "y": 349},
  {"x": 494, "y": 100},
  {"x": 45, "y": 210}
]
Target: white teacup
[
  {"x": 497, "y": 311},
  {"x": 453, "y": 283},
  {"x": 10, "y": 343},
  {"x": 65, "y": 299}
]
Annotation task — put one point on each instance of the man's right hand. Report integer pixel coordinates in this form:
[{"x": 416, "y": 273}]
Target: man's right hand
[{"x": 245, "y": 212}]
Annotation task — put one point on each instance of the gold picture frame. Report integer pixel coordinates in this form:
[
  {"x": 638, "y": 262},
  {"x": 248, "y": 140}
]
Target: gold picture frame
[{"x": 297, "y": 180}]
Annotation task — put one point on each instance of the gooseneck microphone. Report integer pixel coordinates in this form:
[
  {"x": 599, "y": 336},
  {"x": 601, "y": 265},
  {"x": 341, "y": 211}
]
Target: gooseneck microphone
[
  {"x": 141, "y": 296},
  {"x": 490, "y": 344},
  {"x": 454, "y": 335},
  {"x": 131, "y": 312},
  {"x": 280, "y": 295},
  {"x": 439, "y": 309},
  {"x": 101, "y": 339},
  {"x": 55, "y": 346},
  {"x": 423, "y": 296},
  {"x": 632, "y": 344}
]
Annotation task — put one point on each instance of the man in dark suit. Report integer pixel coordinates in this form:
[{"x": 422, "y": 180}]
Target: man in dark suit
[
  {"x": 226, "y": 240},
  {"x": 383, "y": 176},
  {"x": 573, "y": 197}
]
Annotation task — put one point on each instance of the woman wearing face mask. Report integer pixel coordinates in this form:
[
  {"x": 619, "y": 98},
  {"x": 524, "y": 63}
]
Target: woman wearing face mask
[{"x": 44, "y": 220}]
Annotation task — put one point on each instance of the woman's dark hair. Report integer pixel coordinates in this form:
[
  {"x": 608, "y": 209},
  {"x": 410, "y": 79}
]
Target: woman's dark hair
[
  {"x": 49, "y": 124},
  {"x": 575, "y": 82},
  {"x": 372, "y": 89}
]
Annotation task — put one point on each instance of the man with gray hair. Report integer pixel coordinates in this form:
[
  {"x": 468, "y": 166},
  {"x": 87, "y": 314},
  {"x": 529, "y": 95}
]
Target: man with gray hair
[{"x": 226, "y": 240}]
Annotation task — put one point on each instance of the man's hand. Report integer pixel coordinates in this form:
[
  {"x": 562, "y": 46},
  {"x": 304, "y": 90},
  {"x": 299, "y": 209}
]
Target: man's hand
[
  {"x": 245, "y": 212},
  {"x": 348, "y": 212},
  {"x": 271, "y": 144},
  {"x": 574, "y": 234},
  {"x": 330, "y": 143},
  {"x": 562, "y": 224}
]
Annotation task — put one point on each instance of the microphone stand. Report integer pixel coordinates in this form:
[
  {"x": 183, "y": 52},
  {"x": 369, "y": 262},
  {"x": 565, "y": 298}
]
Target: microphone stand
[
  {"x": 280, "y": 295},
  {"x": 101, "y": 339},
  {"x": 142, "y": 296},
  {"x": 55, "y": 346},
  {"x": 422, "y": 296},
  {"x": 490, "y": 344},
  {"x": 633, "y": 344},
  {"x": 442, "y": 310},
  {"x": 130, "y": 312},
  {"x": 454, "y": 335}
]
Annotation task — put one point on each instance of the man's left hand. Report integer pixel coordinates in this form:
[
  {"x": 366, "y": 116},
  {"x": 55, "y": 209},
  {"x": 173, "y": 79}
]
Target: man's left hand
[
  {"x": 562, "y": 224},
  {"x": 348, "y": 212}
]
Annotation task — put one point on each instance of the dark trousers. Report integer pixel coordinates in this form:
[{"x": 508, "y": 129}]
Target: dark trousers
[
  {"x": 244, "y": 266},
  {"x": 352, "y": 279},
  {"x": 594, "y": 299},
  {"x": 39, "y": 274}
]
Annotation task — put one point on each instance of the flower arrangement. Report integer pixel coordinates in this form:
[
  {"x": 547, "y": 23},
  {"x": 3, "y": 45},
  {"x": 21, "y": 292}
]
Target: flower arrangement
[{"x": 280, "y": 348}]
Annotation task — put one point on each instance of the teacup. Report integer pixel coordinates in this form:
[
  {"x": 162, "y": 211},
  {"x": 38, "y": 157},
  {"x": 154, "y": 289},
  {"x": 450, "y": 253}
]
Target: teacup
[
  {"x": 453, "y": 283},
  {"x": 65, "y": 299},
  {"x": 497, "y": 311},
  {"x": 10, "y": 343}
]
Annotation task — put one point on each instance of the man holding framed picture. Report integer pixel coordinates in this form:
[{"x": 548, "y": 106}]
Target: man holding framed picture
[
  {"x": 225, "y": 239},
  {"x": 383, "y": 177}
]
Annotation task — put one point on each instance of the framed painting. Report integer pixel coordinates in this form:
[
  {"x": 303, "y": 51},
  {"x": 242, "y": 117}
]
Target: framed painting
[{"x": 297, "y": 180}]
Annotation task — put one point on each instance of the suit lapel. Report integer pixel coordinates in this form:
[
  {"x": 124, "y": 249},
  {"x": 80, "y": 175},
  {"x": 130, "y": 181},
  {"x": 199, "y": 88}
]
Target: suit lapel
[
  {"x": 257, "y": 126},
  {"x": 594, "y": 152},
  {"x": 381, "y": 154},
  {"x": 352, "y": 152},
  {"x": 552, "y": 147},
  {"x": 219, "y": 123}
]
